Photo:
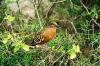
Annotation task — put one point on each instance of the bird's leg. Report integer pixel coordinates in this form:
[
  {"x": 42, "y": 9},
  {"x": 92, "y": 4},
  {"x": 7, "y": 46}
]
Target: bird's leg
[
  {"x": 46, "y": 47},
  {"x": 35, "y": 47}
]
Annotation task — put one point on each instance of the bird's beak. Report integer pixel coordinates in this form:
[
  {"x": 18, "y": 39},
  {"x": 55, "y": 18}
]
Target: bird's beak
[{"x": 54, "y": 23}]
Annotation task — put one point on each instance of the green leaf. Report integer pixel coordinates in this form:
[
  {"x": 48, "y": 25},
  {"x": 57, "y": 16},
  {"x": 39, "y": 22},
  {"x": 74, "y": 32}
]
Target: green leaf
[
  {"x": 10, "y": 1},
  {"x": 19, "y": 44},
  {"x": 16, "y": 48},
  {"x": 10, "y": 18},
  {"x": 61, "y": 49},
  {"x": 5, "y": 39},
  {"x": 25, "y": 47}
]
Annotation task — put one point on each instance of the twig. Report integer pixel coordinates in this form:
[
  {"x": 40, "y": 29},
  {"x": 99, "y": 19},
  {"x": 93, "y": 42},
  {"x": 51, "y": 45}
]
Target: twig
[
  {"x": 59, "y": 58},
  {"x": 74, "y": 27},
  {"x": 43, "y": 60},
  {"x": 84, "y": 6},
  {"x": 39, "y": 19},
  {"x": 59, "y": 1},
  {"x": 95, "y": 22}
]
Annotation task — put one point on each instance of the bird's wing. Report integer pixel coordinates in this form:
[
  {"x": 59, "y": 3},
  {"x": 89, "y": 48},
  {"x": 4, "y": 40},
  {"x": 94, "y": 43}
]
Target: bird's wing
[{"x": 38, "y": 39}]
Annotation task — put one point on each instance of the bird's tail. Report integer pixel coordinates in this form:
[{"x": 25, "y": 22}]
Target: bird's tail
[
  {"x": 30, "y": 42},
  {"x": 33, "y": 43}
]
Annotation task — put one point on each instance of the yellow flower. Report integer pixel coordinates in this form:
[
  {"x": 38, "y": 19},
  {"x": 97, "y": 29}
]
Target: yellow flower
[
  {"x": 73, "y": 51},
  {"x": 73, "y": 55},
  {"x": 76, "y": 48}
]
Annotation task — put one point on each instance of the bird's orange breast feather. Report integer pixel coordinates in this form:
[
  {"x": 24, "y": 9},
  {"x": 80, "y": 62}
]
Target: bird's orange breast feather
[{"x": 49, "y": 34}]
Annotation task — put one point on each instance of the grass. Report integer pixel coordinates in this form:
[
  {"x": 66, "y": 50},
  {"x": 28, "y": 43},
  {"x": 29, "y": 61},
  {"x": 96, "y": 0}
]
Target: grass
[{"x": 78, "y": 31}]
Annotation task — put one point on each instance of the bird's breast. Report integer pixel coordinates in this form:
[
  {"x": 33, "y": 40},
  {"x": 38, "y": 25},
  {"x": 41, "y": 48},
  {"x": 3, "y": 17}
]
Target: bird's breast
[{"x": 49, "y": 34}]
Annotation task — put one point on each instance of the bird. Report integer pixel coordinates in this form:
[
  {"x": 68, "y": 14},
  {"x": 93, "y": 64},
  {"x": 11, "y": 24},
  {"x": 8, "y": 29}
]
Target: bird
[{"x": 45, "y": 35}]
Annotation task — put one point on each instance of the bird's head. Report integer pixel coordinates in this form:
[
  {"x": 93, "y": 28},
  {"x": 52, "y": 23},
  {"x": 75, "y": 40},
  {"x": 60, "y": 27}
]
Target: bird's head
[{"x": 53, "y": 25}]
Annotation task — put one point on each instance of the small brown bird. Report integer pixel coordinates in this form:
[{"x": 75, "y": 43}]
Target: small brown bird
[{"x": 44, "y": 36}]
